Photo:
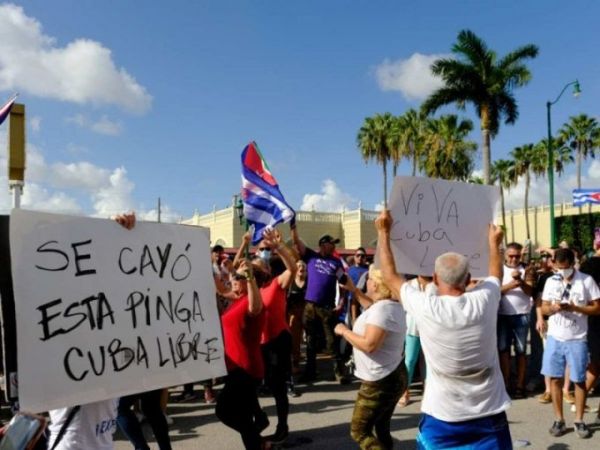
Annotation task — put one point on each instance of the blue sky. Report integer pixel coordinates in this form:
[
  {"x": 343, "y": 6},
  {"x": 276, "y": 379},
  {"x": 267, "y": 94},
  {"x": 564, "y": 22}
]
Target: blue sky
[{"x": 129, "y": 101}]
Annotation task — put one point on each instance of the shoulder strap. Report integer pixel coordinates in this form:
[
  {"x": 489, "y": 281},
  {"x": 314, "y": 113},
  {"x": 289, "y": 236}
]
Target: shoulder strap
[{"x": 66, "y": 423}]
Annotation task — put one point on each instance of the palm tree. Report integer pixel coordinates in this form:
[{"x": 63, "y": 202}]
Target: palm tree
[
  {"x": 562, "y": 154},
  {"x": 449, "y": 155},
  {"x": 503, "y": 174},
  {"x": 413, "y": 126},
  {"x": 479, "y": 77},
  {"x": 582, "y": 134},
  {"x": 395, "y": 140},
  {"x": 529, "y": 159},
  {"x": 373, "y": 142}
]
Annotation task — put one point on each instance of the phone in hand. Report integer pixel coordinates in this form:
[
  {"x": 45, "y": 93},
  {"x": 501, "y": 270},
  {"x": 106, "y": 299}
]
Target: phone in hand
[
  {"x": 341, "y": 277},
  {"x": 23, "y": 432}
]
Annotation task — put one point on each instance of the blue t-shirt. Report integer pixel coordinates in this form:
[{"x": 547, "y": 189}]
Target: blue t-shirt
[
  {"x": 355, "y": 272},
  {"x": 321, "y": 277}
]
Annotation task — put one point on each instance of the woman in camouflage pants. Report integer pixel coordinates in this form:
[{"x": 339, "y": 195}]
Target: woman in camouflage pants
[{"x": 378, "y": 340}]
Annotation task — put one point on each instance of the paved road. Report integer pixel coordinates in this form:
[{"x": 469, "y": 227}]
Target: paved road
[{"x": 319, "y": 419}]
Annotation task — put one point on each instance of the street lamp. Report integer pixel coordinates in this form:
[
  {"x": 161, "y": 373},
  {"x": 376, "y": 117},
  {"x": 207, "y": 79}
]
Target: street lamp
[
  {"x": 238, "y": 205},
  {"x": 576, "y": 93}
]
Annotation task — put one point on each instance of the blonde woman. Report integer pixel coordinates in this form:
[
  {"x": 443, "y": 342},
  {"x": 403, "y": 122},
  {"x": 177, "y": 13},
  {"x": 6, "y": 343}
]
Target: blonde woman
[{"x": 377, "y": 335}]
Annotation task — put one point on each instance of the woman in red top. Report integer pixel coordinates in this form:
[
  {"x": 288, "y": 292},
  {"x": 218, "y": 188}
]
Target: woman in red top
[{"x": 242, "y": 325}]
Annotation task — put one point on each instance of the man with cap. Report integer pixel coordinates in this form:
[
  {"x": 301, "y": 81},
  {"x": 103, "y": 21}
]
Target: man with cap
[{"x": 323, "y": 270}]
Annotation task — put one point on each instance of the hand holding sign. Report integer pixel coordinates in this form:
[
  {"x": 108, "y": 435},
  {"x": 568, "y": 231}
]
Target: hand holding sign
[{"x": 431, "y": 217}]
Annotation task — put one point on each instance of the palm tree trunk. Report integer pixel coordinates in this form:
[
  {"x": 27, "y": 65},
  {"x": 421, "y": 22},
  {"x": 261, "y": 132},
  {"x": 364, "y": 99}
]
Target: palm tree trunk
[
  {"x": 527, "y": 203},
  {"x": 578, "y": 159},
  {"x": 385, "y": 184},
  {"x": 414, "y": 165},
  {"x": 503, "y": 214},
  {"x": 394, "y": 169},
  {"x": 578, "y": 163},
  {"x": 486, "y": 151}
]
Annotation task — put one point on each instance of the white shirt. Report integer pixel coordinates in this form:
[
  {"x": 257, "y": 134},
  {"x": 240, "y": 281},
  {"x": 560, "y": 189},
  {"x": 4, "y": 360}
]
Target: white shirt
[
  {"x": 388, "y": 315},
  {"x": 514, "y": 301},
  {"x": 92, "y": 426},
  {"x": 566, "y": 325},
  {"x": 458, "y": 335},
  {"x": 411, "y": 324}
]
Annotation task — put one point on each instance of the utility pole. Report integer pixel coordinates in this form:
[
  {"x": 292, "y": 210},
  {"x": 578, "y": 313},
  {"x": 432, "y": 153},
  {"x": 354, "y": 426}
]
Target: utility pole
[
  {"x": 158, "y": 209},
  {"x": 16, "y": 152}
]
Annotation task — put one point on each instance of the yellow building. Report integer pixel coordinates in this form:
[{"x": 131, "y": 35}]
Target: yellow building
[{"x": 355, "y": 228}]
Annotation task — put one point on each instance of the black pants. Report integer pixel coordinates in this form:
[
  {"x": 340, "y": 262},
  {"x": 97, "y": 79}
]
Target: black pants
[
  {"x": 151, "y": 408},
  {"x": 236, "y": 406},
  {"x": 277, "y": 355}
]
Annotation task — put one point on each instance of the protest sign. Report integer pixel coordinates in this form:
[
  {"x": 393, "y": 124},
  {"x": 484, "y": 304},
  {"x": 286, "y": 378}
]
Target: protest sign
[
  {"x": 104, "y": 312},
  {"x": 434, "y": 216}
]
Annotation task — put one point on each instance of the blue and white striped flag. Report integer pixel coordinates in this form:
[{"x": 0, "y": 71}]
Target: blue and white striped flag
[
  {"x": 583, "y": 196},
  {"x": 264, "y": 205}
]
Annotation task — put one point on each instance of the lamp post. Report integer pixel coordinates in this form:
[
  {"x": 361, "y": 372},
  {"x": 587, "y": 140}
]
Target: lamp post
[{"x": 576, "y": 93}]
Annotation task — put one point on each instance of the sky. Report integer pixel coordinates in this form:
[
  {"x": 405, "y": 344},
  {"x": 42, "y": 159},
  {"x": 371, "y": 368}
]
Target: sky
[{"x": 130, "y": 101}]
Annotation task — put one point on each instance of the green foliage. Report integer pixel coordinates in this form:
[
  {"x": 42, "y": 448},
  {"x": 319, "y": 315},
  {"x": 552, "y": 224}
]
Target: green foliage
[{"x": 578, "y": 230}]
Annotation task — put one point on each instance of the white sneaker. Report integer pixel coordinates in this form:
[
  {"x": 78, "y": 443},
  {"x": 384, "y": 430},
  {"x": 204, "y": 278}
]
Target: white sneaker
[{"x": 586, "y": 410}]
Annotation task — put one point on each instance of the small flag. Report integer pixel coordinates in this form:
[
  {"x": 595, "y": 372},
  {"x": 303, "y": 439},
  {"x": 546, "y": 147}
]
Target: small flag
[
  {"x": 583, "y": 196},
  {"x": 5, "y": 111},
  {"x": 264, "y": 205}
]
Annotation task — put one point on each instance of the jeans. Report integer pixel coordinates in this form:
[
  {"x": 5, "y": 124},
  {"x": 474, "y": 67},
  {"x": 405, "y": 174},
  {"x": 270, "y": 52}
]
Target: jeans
[
  {"x": 151, "y": 408},
  {"x": 513, "y": 328}
]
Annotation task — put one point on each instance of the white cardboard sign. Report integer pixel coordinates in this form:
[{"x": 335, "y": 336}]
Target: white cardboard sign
[
  {"x": 434, "y": 216},
  {"x": 104, "y": 312}
]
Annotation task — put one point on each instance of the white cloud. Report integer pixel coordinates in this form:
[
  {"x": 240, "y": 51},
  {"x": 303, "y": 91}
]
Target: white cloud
[
  {"x": 412, "y": 77},
  {"x": 81, "y": 72},
  {"x": 101, "y": 126},
  {"x": 330, "y": 199},
  {"x": 35, "y": 123},
  {"x": 79, "y": 188}
]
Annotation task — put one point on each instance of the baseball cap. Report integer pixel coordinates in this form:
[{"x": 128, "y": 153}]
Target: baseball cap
[{"x": 327, "y": 239}]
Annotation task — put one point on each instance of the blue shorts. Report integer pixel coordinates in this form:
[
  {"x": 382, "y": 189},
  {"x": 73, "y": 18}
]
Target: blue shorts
[
  {"x": 558, "y": 354},
  {"x": 513, "y": 328},
  {"x": 486, "y": 433}
]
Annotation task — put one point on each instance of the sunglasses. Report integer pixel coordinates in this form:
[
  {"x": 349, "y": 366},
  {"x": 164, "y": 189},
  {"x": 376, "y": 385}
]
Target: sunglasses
[
  {"x": 239, "y": 277},
  {"x": 263, "y": 248},
  {"x": 360, "y": 255}
]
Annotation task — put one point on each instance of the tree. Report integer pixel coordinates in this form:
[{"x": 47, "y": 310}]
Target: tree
[
  {"x": 373, "y": 141},
  {"x": 413, "y": 124},
  {"x": 529, "y": 159},
  {"x": 479, "y": 77},
  {"x": 503, "y": 174},
  {"x": 582, "y": 134},
  {"x": 449, "y": 155}
]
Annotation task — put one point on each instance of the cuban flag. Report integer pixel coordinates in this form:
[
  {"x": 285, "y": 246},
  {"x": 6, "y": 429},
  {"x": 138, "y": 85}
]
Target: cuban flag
[
  {"x": 583, "y": 196},
  {"x": 5, "y": 111},
  {"x": 264, "y": 205}
]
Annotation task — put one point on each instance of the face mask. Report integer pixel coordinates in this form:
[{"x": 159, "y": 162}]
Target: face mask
[
  {"x": 264, "y": 254},
  {"x": 565, "y": 273}
]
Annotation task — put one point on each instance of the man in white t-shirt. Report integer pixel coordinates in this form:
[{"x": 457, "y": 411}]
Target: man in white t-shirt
[
  {"x": 92, "y": 426},
  {"x": 513, "y": 317},
  {"x": 568, "y": 298},
  {"x": 465, "y": 400}
]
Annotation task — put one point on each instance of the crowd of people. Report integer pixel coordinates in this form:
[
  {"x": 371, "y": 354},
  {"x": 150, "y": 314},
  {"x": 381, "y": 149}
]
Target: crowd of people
[{"x": 379, "y": 326}]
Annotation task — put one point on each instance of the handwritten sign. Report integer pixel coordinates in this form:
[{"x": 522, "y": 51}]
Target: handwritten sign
[
  {"x": 433, "y": 216},
  {"x": 104, "y": 312}
]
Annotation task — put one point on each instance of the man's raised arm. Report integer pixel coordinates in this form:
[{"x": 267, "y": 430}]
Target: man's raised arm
[
  {"x": 495, "y": 235},
  {"x": 394, "y": 280}
]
